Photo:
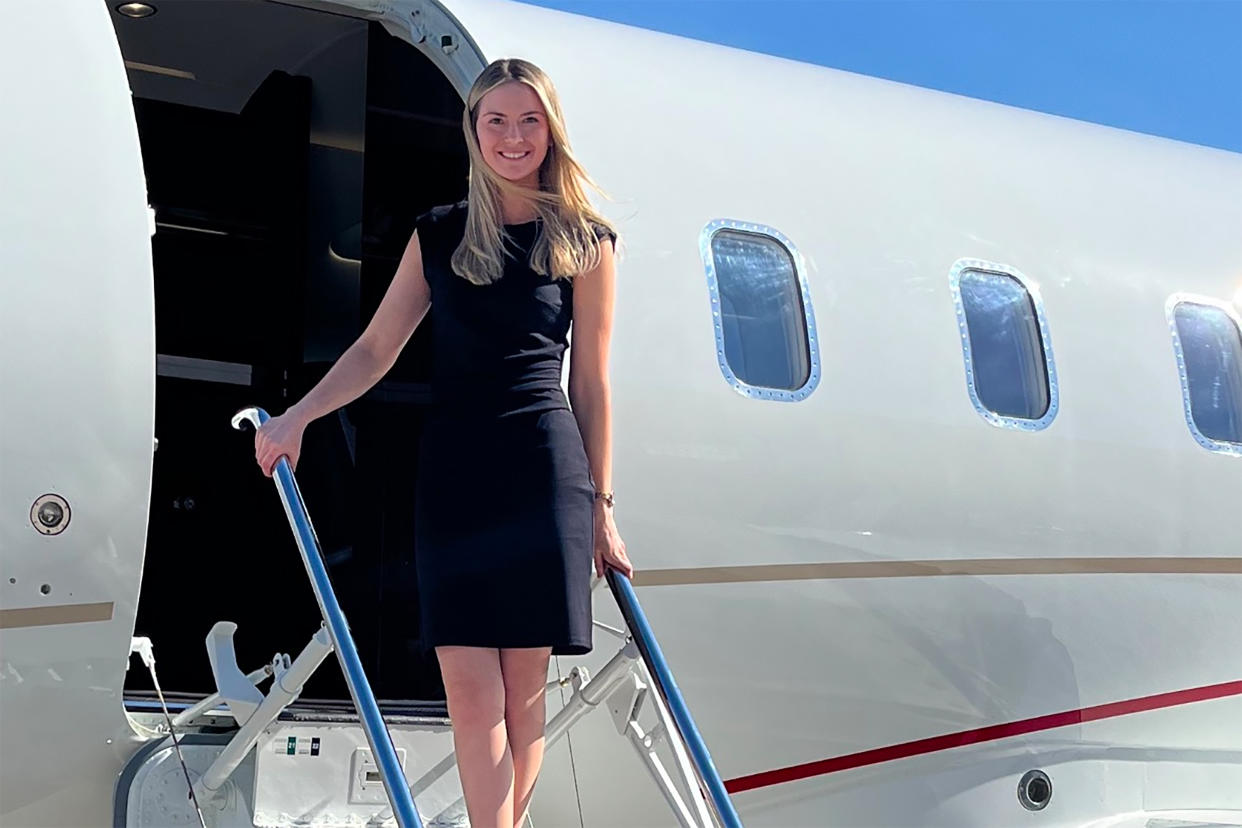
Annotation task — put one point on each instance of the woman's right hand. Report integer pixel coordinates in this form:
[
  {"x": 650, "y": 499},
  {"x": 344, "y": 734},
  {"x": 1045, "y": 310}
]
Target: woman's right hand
[{"x": 279, "y": 436}]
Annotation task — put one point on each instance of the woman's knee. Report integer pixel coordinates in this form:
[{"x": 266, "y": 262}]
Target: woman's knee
[{"x": 472, "y": 707}]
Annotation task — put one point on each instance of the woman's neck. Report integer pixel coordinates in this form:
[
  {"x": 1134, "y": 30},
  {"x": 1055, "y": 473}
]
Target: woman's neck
[{"x": 518, "y": 214}]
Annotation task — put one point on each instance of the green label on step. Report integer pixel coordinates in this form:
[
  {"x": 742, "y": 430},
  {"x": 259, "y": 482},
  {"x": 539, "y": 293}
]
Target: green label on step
[{"x": 292, "y": 746}]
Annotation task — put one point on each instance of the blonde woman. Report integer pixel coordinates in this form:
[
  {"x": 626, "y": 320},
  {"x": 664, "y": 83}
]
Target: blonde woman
[{"x": 514, "y": 495}]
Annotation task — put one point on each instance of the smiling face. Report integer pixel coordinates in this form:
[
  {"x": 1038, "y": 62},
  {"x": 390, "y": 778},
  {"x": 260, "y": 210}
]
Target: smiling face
[{"x": 513, "y": 132}]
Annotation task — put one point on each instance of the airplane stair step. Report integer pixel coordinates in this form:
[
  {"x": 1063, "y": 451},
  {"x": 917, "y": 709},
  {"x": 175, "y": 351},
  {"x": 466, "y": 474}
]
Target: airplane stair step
[{"x": 299, "y": 773}]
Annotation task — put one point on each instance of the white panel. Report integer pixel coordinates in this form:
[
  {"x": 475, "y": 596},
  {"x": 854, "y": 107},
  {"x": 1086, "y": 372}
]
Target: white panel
[
  {"x": 77, "y": 376},
  {"x": 308, "y": 774}
]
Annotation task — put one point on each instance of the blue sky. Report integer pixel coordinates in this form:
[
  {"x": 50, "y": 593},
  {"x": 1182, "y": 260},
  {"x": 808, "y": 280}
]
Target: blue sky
[{"x": 1165, "y": 67}]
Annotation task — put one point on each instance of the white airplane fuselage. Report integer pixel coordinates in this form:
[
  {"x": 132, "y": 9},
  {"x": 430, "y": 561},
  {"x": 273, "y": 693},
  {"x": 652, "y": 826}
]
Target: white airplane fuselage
[{"x": 881, "y": 608}]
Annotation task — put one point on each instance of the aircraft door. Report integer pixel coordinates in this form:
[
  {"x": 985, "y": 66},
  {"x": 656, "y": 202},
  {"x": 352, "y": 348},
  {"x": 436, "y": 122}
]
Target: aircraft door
[{"x": 77, "y": 355}]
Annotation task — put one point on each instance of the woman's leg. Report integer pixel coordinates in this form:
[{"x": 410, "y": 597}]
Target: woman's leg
[
  {"x": 476, "y": 703},
  {"x": 525, "y": 673}
]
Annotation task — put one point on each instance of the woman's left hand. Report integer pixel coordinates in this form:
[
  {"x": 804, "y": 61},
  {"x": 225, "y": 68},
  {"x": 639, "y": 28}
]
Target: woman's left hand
[{"x": 609, "y": 548}]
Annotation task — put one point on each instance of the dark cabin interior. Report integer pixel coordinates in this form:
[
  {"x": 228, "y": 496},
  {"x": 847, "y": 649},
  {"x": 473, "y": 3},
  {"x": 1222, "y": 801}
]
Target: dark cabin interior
[{"x": 287, "y": 154}]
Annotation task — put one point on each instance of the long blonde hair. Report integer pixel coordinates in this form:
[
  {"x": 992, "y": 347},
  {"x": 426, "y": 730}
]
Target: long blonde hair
[{"x": 567, "y": 245}]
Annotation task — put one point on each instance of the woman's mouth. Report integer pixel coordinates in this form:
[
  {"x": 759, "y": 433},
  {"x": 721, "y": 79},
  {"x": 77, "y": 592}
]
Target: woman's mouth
[{"x": 514, "y": 156}]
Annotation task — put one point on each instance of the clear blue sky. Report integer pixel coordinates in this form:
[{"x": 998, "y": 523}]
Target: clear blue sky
[{"x": 1165, "y": 67}]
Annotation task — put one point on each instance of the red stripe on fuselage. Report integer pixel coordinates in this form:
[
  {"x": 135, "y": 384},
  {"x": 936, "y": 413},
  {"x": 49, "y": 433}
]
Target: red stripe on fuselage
[{"x": 982, "y": 734}]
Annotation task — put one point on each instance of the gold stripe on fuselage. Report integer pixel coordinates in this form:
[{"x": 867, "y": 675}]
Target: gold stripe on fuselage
[{"x": 933, "y": 568}]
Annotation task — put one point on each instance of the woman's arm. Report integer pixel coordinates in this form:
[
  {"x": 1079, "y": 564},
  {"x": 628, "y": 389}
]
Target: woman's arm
[
  {"x": 362, "y": 365},
  {"x": 590, "y": 394}
]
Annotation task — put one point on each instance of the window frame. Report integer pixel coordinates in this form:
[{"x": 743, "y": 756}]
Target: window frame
[
  {"x": 760, "y": 392},
  {"x": 1170, "y": 312},
  {"x": 1045, "y": 337}
]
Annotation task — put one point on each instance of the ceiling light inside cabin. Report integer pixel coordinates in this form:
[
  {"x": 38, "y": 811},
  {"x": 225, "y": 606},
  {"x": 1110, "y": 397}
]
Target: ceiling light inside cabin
[
  {"x": 136, "y": 10},
  {"x": 159, "y": 70}
]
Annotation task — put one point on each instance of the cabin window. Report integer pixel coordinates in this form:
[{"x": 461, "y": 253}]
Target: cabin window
[
  {"x": 1010, "y": 373},
  {"x": 761, "y": 311},
  {"x": 1208, "y": 346}
]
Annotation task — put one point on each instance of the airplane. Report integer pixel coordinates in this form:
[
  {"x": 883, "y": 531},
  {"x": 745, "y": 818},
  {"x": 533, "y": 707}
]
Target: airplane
[{"x": 928, "y": 417}]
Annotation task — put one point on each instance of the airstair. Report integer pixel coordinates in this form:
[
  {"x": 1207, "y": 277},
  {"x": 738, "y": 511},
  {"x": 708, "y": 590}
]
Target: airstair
[{"x": 241, "y": 758}]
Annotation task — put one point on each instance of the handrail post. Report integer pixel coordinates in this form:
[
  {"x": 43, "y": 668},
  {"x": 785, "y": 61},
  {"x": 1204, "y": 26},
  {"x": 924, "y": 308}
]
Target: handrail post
[
  {"x": 666, "y": 686},
  {"x": 378, "y": 737}
]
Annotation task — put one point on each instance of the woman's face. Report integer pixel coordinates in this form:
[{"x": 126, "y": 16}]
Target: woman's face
[{"x": 513, "y": 132}]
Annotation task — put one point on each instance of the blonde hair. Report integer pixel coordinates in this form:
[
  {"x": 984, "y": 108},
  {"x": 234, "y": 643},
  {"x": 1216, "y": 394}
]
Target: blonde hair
[{"x": 567, "y": 245}]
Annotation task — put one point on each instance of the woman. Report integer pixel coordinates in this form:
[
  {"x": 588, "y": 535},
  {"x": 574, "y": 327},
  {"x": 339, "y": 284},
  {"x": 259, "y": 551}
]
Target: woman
[{"x": 514, "y": 490}]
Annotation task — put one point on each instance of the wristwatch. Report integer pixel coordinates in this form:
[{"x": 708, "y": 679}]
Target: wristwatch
[{"x": 607, "y": 497}]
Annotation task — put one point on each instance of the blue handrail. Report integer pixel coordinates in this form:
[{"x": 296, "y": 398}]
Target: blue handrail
[
  {"x": 359, "y": 688},
  {"x": 666, "y": 686}
]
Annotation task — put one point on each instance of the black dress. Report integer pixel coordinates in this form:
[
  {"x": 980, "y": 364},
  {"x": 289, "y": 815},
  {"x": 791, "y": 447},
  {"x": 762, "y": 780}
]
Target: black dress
[{"x": 504, "y": 515}]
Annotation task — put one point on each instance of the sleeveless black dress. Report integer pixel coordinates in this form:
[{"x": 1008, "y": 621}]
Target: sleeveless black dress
[{"x": 504, "y": 513}]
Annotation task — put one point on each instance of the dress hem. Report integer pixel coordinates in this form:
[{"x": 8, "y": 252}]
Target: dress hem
[{"x": 568, "y": 649}]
